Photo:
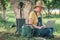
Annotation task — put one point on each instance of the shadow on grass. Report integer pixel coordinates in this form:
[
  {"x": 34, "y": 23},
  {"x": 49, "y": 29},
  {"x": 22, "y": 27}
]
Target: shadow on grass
[
  {"x": 5, "y": 24},
  {"x": 8, "y": 36}
]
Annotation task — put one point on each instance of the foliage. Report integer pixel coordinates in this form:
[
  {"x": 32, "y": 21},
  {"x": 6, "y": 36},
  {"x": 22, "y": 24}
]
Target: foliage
[{"x": 52, "y": 3}]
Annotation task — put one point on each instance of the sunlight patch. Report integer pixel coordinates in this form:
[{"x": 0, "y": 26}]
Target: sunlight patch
[{"x": 2, "y": 29}]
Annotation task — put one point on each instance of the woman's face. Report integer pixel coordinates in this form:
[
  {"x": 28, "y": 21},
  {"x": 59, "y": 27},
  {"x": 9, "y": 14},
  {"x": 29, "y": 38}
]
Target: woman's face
[{"x": 38, "y": 9}]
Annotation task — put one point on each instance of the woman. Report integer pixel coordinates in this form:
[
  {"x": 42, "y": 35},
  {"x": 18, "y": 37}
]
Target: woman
[{"x": 35, "y": 18}]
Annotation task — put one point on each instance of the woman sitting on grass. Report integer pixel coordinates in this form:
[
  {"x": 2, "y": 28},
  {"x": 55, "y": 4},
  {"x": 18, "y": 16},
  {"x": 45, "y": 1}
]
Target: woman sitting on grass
[{"x": 35, "y": 18}]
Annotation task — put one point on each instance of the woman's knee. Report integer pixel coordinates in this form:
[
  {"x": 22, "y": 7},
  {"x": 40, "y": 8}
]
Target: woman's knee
[
  {"x": 51, "y": 29},
  {"x": 44, "y": 32}
]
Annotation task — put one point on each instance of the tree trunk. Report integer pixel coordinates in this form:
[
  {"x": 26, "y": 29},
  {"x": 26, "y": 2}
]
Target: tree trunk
[
  {"x": 18, "y": 11},
  {"x": 15, "y": 6},
  {"x": 26, "y": 10},
  {"x": 4, "y": 15},
  {"x": 59, "y": 11},
  {"x": 3, "y": 10}
]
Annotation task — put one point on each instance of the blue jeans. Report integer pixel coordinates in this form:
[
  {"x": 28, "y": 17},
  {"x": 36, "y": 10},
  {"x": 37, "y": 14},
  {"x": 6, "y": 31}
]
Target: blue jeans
[
  {"x": 43, "y": 32},
  {"x": 51, "y": 32}
]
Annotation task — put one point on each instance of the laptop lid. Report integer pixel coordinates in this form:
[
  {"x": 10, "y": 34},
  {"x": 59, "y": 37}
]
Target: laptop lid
[{"x": 50, "y": 23}]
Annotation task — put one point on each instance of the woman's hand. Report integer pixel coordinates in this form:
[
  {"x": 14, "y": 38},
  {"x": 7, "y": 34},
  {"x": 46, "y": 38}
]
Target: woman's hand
[
  {"x": 42, "y": 27},
  {"x": 39, "y": 27}
]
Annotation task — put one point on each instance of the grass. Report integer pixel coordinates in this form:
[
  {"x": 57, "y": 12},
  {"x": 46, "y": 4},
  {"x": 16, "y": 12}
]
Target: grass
[{"x": 5, "y": 27}]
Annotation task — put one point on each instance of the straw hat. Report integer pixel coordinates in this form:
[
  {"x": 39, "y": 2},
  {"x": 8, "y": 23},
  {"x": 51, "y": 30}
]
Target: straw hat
[{"x": 39, "y": 4}]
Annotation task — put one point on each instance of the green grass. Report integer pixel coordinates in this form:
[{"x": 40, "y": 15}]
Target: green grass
[{"x": 5, "y": 25}]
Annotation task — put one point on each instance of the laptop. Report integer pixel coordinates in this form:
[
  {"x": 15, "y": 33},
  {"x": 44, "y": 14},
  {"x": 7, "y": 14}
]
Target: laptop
[{"x": 50, "y": 23}]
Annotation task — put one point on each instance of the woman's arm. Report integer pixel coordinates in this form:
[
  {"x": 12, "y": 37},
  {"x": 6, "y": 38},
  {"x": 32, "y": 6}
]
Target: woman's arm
[{"x": 34, "y": 26}]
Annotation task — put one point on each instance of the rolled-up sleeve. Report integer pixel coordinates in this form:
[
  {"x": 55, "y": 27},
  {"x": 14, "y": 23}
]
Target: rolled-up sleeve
[{"x": 31, "y": 15}]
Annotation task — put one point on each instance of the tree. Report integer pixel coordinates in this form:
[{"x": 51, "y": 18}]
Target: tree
[
  {"x": 21, "y": 13},
  {"x": 15, "y": 6},
  {"x": 26, "y": 10},
  {"x": 3, "y": 9},
  {"x": 51, "y": 4}
]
